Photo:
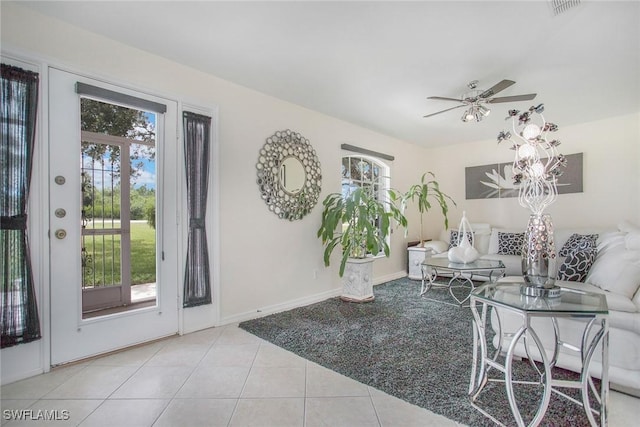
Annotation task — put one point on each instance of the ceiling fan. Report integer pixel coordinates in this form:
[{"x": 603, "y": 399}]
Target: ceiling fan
[{"x": 477, "y": 99}]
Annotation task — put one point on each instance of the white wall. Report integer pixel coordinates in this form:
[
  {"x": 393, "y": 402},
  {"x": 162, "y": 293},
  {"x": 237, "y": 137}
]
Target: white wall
[{"x": 611, "y": 165}]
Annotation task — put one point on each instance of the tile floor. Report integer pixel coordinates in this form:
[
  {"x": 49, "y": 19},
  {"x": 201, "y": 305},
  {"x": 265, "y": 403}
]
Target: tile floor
[{"x": 219, "y": 377}]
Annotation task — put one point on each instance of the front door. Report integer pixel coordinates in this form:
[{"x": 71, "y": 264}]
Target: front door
[{"x": 112, "y": 201}]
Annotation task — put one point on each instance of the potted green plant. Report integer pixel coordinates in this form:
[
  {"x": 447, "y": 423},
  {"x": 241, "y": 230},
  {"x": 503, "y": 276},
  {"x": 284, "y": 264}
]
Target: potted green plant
[
  {"x": 359, "y": 224},
  {"x": 423, "y": 193}
]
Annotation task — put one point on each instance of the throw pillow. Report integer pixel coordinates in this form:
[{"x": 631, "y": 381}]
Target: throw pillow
[
  {"x": 493, "y": 239},
  {"x": 573, "y": 243},
  {"x": 454, "y": 236},
  {"x": 510, "y": 243},
  {"x": 576, "y": 265}
]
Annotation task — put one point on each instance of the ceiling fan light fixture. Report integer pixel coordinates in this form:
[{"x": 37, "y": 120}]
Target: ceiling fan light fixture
[
  {"x": 476, "y": 112},
  {"x": 484, "y": 110},
  {"x": 468, "y": 115}
]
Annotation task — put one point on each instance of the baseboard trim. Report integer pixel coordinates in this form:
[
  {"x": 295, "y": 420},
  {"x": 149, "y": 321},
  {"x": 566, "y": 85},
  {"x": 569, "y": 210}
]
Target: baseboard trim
[
  {"x": 277, "y": 308},
  {"x": 300, "y": 302},
  {"x": 389, "y": 277}
]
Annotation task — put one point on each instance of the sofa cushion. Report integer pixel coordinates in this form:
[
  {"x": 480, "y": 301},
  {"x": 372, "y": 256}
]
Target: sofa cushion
[
  {"x": 510, "y": 243},
  {"x": 632, "y": 241},
  {"x": 576, "y": 242},
  {"x": 615, "y": 302},
  {"x": 577, "y": 264},
  {"x": 512, "y": 263},
  {"x": 438, "y": 246},
  {"x": 616, "y": 269}
]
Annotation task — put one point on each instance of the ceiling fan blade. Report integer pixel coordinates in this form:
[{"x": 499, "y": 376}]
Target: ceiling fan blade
[
  {"x": 496, "y": 88},
  {"x": 511, "y": 98},
  {"x": 442, "y": 98},
  {"x": 444, "y": 111}
]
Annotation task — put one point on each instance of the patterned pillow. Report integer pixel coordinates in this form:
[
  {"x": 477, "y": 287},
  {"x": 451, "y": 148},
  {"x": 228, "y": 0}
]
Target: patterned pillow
[
  {"x": 573, "y": 244},
  {"x": 453, "y": 238},
  {"x": 577, "y": 264},
  {"x": 510, "y": 243}
]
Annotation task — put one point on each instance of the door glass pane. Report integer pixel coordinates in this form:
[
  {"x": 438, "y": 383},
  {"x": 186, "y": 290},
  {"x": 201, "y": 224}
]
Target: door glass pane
[
  {"x": 143, "y": 216},
  {"x": 101, "y": 262},
  {"x": 119, "y": 208}
]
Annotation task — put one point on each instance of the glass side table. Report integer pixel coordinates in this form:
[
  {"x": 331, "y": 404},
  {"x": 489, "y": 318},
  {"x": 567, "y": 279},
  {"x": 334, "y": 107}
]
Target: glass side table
[
  {"x": 591, "y": 307},
  {"x": 461, "y": 274}
]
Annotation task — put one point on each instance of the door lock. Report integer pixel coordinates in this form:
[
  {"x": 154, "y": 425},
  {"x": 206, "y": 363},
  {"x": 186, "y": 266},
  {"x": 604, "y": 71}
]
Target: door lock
[
  {"x": 60, "y": 180},
  {"x": 60, "y": 213},
  {"x": 61, "y": 234}
]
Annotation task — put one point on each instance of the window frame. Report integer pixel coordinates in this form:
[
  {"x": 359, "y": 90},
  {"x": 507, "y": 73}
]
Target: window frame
[{"x": 383, "y": 181}]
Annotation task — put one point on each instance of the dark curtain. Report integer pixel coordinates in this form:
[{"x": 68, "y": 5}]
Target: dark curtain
[
  {"x": 19, "y": 311},
  {"x": 197, "y": 135}
]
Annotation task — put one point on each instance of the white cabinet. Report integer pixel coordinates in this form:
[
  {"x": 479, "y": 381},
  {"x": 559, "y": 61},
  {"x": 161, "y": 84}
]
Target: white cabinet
[{"x": 416, "y": 256}]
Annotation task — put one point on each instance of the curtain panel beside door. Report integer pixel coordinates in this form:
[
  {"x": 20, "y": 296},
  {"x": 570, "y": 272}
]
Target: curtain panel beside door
[
  {"x": 197, "y": 140},
  {"x": 18, "y": 307}
]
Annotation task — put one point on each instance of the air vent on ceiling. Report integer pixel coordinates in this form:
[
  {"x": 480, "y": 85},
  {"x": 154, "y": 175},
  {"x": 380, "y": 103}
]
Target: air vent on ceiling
[{"x": 561, "y": 6}]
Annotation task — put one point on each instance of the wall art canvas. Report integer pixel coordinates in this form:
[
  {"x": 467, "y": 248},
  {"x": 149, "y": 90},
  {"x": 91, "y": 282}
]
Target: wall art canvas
[{"x": 496, "y": 180}]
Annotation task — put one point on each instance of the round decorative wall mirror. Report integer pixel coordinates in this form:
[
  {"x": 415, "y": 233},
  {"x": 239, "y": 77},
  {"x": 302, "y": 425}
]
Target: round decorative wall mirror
[{"x": 289, "y": 175}]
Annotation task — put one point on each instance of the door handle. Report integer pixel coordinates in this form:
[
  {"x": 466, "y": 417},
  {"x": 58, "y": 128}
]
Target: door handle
[{"x": 61, "y": 234}]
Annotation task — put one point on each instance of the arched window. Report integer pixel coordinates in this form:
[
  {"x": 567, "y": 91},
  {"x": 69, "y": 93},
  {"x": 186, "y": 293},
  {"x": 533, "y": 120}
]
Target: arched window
[{"x": 366, "y": 172}]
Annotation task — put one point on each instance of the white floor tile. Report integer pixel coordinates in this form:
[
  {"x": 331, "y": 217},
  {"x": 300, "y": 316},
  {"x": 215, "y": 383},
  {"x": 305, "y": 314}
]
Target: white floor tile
[
  {"x": 197, "y": 413},
  {"x": 176, "y": 354},
  {"x": 126, "y": 413},
  {"x": 283, "y": 412},
  {"x": 93, "y": 382},
  {"x": 232, "y": 335},
  {"x": 270, "y": 356},
  {"x": 214, "y": 382},
  {"x": 394, "y": 412},
  {"x": 275, "y": 382},
  {"x": 38, "y": 386},
  {"x": 340, "y": 412},
  {"x": 153, "y": 382},
  {"x": 241, "y": 355},
  {"x": 134, "y": 357},
  {"x": 323, "y": 382}
]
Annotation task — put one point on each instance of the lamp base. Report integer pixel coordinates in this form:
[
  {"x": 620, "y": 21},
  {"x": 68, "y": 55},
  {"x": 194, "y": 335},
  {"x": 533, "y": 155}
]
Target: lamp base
[{"x": 537, "y": 291}]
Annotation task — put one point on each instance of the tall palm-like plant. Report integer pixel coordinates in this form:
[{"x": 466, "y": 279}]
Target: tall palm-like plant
[
  {"x": 359, "y": 223},
  {"x": 423, "y": 193}
]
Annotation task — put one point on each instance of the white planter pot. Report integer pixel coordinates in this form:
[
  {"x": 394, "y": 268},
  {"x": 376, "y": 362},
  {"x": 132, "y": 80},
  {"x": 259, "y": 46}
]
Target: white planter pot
[
  {"x": 357, "y": 281},
  {"x": 416, "y": 257}
]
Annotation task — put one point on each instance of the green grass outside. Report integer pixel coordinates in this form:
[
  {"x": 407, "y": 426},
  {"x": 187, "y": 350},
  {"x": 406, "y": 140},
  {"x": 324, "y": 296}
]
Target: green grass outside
[{"x": 107, "y": 269}]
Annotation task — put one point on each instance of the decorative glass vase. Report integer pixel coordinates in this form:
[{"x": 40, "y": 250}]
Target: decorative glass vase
[{"x": 539, "y": 258}]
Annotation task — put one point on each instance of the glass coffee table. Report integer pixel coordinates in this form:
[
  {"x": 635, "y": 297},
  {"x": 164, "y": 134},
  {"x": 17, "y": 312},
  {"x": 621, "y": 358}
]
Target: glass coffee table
[
  {"x": 506, "y": 297},
  {"x": 462, "y": 275}
]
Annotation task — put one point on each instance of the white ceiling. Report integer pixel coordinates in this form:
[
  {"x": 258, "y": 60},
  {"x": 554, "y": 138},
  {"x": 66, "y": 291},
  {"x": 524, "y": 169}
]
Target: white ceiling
[{"x": 375, "y": 63}]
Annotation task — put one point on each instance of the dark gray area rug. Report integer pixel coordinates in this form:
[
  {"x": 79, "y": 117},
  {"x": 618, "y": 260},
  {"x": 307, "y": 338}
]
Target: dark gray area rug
[{"x": 410, "y": 347}]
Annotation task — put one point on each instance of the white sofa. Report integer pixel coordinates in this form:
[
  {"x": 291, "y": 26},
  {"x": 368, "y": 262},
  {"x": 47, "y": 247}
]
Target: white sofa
[{"x": 615, "y": 273}]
